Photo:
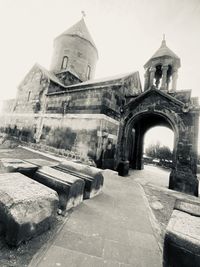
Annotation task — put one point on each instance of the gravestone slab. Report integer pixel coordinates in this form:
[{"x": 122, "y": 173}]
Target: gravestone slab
[
  {"x": 69, "y": 188},
  {"x": 42, "y": 162},
  {"x": 18, "y": 165},
  {"x": 92, "y": 176},
  {"x": 182, "y": 240},
  {"x": 27, "y": 207}
]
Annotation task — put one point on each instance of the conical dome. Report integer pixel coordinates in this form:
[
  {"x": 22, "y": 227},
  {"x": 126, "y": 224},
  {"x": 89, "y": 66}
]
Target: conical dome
[
  {"x": 163, "y": 51},
  {"x": 75, "y": 51},
  {"x": 80, "y": 29}
]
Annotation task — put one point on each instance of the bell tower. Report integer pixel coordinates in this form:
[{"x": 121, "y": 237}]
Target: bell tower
[{"x": 161, "y": 70}]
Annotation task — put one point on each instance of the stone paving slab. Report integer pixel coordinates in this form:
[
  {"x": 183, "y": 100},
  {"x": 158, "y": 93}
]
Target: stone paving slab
[{"x": 112, "y": 229}]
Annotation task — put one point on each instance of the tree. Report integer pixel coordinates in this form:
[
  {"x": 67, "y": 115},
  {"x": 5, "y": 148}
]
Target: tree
[
  {"x": 152, "y": 150},
  {"x": 164, "y": 153},
  {"x": 160, "y": 152}
]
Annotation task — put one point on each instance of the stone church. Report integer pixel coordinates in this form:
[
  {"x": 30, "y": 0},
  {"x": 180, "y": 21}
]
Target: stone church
[{"x": 105, "y": 119}]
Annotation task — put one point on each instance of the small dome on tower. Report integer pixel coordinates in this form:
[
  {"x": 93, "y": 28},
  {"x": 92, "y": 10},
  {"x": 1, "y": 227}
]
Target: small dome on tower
[
  {"x": 163, "y": 51},
  {"x": 75, "y": 51},
  {"x": 161, "y": 70}
]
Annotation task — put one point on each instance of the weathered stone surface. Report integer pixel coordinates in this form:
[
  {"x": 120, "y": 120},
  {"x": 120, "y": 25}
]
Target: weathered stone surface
[
  {"x": 92, "y": 176},
  {"x": 183, "y": 181},
  {"x": 42, "y": 162},
  {"x": 69, "y": 188},
  {"x": 18, "y": 165},
  {"x": 26, "y": 207},
  {"x": 191, "y": 207},
  {"x": 182, "y": 241}
]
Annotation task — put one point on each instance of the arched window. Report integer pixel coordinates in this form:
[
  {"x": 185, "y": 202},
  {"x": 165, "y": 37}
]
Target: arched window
[
  {"x": 64, "y": 62},
  {"x": 29, "y": 94},
  {"x": 88, "y": 72}
]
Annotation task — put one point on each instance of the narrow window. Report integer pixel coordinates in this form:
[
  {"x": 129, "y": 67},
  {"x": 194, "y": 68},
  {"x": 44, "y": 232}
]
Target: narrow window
[
  {"x": 64, "y": 62},
  {"x": 29, "y": 94},
  {"x": 88, "y": 72}
]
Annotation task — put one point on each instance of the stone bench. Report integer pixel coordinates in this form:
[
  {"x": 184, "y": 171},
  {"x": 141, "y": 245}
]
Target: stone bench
[
  {"x": 182, "y": 238},
  {"x": 27, "y": 208},
  {"x": 69, "y": 188},
  {"x": 18, "y": 165},
  {"x": 92, "y": 176}
]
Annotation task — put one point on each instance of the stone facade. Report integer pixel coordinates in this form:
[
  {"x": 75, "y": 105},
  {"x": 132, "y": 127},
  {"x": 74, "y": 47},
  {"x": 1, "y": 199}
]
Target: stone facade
[
  {"x": 74, "y": 50},
  {"x": 106, "y": 119}
]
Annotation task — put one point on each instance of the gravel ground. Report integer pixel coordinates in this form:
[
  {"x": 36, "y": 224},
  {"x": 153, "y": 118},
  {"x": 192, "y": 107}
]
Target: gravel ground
[
  {"x": 21, "y": 256},
  {"x": 162, "y": 205}
]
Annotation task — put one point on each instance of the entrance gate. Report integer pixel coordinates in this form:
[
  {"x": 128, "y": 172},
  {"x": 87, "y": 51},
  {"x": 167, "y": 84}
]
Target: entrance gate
[{"x": 180, "y": 113}]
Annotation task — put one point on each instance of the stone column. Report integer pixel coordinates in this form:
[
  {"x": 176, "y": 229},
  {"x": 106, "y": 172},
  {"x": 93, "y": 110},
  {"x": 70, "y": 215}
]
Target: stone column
[
  {"x": 164, "y": 77},
  {"x": 146, "y": 80},
  {"x": 174, "y": 79},
  {"x": 183, "y": 175},
  {"x": 152, "y": 75}
]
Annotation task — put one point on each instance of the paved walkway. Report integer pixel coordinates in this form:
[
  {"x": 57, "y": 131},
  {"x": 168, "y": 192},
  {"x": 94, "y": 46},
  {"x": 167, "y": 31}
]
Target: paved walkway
[{"x": 111, "y": 230}]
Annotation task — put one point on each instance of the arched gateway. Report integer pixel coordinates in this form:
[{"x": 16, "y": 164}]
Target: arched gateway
[{"x": 163, "y": 106}]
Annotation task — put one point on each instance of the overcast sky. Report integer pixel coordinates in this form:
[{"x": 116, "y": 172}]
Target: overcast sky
[{"x": 126, "y": 33}]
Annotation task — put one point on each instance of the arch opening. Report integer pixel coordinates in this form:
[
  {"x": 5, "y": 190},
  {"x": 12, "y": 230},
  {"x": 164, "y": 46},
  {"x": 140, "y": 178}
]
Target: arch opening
[
  {"x": 139, "y": 126},
  {"x": 158, "y": 147}
]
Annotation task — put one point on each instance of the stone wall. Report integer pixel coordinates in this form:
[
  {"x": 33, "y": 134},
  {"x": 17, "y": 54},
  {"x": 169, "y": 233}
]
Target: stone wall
[
  {"x": 30, "y": 91},
  {"x": 107, "y": 100},
  {"x": 80, "y": 54},
  {"x": 86, "y": 135}
]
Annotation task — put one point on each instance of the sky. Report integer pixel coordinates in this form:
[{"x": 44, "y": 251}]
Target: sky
[{"x": 126, "y": 33}]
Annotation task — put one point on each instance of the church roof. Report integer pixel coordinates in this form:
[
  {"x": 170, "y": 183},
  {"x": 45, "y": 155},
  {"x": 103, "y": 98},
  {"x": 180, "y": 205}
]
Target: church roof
[
  {"x": 113, "y": 80},
  {"x": 80, "y": 29},
  {"x": 163, "y": 51}
]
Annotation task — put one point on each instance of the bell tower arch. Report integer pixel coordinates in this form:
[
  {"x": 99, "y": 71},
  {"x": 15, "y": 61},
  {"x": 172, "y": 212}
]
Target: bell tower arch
[{"x": 161, "y": 70}]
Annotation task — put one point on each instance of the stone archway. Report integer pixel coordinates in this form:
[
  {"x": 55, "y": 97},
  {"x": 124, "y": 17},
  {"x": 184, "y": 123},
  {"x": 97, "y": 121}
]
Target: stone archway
[
  {"x": 137, "y": 128},
  {"x": 152, "y": 108}
]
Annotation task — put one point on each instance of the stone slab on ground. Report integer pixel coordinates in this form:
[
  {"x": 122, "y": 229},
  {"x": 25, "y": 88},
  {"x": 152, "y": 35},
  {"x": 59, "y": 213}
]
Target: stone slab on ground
[
  {"x": 18, "y": 165},
  {"x": 69, "y": 188},
  {"x": 26, "y": 207},
  {"x": 182, "y": 240},
  {"x": 92, "y": 176},
  {"x": 42, "y": 162}
]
